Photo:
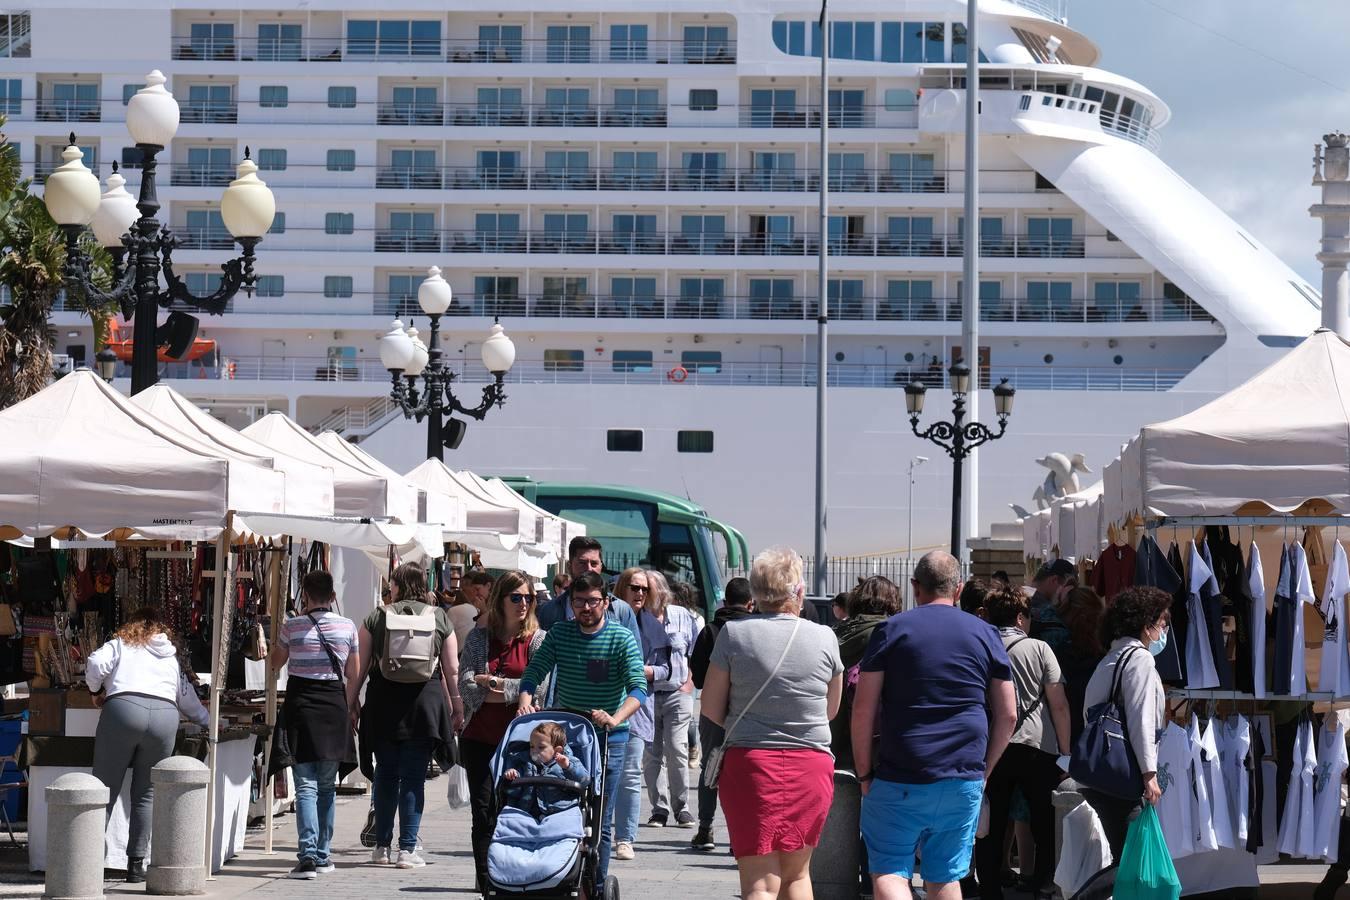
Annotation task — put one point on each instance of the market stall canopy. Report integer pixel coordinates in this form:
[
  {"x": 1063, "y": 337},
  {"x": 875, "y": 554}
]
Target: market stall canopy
[
  {"x": 1078, "y": 522},
  {"x": 356, "y": 491},
  {"x": 436, "y": 507},
  {"x": 78, "y": 454},
  {"x": 372, "y": 537},
  {"x": 553, "y": 532},
  {"x": 1281, "y": 439},
  {"x": 486, "y": 513},
  {"x": 309, "y": 488}
]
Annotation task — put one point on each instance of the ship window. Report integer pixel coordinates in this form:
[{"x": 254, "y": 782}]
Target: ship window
[
  {"x": 623, "y": 440},
  {"x": 1044, "y": 184},
  {"x": 1281, "y": 341},
  {"x": 694, "y": 442},
  {"x": 273, "y": 96},
  {"x": 341, "y": 160},
  {"x": 853, "y": 40},
  {"x": 278, "y": 224},
  {"x": 271, "y": 160},
  {"x": 202, "y": 283},
  {"x": 337, "y": 286},
  {"x": 339, "y": 223},
  {"x": 703, "y": 362},
  {"x": 959, "y": 44},
  {"x": 1025, "y": 102},
  {"x": 128, "y": 91},
  {"x": 341, "y": 97},
  {"x": 1047, "y": 100},
  {"x": 632, "y": 361},
  {"x": 132, "y": 157},
  {"x": 628, "y": 43},
  {"x": 271, "y": 285},
  {"x": 900, "y": 100},
  {"x": 703, "y": 100},
  {"x": 890, "y": 42},
  {"x": 564, "y": 360}
]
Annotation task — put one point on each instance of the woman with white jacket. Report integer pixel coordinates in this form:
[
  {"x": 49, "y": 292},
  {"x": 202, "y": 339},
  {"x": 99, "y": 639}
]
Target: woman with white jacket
[{"x": 144, "y": 690}]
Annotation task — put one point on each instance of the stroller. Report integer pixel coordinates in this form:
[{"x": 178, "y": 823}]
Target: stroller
[{"x": 555, "y": 856}]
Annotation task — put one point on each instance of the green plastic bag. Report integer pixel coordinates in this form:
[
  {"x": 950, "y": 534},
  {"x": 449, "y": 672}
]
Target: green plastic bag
[{"x": 1146, "y": 871}]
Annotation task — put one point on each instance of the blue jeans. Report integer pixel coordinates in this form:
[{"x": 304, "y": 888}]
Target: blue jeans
[
  {"x": 400, "y": 783},
  {"x": 614, "y": 756},
  {"x": 628, "y": 806},
  {"x": 315, "y": 788}
]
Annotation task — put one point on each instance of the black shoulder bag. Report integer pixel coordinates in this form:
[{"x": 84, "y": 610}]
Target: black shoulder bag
[{"x": 1103, "y": 759}]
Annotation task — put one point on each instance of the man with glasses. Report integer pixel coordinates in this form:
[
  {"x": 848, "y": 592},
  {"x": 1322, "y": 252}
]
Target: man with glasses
[
  {"x": 584, "y": 555},
  {"x": 597, "y": 673}
]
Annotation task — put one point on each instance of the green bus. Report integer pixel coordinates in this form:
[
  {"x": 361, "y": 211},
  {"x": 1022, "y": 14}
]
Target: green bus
[{"x": 645, "y": 528}]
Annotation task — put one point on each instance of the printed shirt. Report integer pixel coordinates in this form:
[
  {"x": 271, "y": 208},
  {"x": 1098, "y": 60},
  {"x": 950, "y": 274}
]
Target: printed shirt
[{"x": 307, "y": 658}]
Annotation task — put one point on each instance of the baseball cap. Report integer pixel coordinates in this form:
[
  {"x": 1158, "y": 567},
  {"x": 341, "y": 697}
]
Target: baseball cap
[{"x": 1060, "y": 568}]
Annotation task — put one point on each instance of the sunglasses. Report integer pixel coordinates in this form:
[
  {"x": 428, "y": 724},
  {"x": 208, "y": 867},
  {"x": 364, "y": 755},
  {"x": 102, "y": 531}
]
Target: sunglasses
[
  {"x": 639, "y": 589},
  {"x": 521, "y": 598}
]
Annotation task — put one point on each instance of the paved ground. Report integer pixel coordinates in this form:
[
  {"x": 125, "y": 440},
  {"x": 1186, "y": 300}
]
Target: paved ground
[{"x": 665, "y": 866}]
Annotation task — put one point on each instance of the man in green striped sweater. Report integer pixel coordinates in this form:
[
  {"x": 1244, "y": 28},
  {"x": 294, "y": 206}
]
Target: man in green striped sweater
[{"x": 597, "y": 666}]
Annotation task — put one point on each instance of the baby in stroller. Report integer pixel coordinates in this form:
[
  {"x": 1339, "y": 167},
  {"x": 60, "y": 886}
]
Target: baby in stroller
[{"x": 547, "y": 755}]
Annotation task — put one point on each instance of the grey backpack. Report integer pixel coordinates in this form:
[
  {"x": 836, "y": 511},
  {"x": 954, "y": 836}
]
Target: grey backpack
[{"x": 410, "y": 646}]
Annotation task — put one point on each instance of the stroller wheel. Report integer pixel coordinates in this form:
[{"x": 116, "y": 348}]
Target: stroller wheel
[{"x": 611, "y": 888}]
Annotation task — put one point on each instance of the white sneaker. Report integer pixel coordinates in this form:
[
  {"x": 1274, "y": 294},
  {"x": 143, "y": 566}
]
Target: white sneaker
[
  {"x": 325, "y": 869},
  {"x": 410, "y": 859},
  {"x": 380, "y": 856},
  {"x": 623, "y": 850}
]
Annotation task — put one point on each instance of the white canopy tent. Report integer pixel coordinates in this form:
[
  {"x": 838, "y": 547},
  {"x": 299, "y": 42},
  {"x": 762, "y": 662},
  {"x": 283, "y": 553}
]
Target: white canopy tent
[
  {"x": 1280, "y": 439},
  {"x": 487, "y": 513},
  {"x": 357, "y": 492},
  {"x": 553, "y": 533},
  {"x": 309, "y": 487},
  {"x": 439, "y": 508},
  {"x": 79, "y": 454}
]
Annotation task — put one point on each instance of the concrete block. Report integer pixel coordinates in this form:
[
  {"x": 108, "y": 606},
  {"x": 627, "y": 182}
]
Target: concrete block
[
  {"x": 77, "y": 812},
  {"x": 836, "y": 863},
  {"x": 177, "y": 843}
]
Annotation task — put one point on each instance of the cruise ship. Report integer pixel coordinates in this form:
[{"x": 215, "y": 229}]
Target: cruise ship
[{"x": 632, "y": 192}]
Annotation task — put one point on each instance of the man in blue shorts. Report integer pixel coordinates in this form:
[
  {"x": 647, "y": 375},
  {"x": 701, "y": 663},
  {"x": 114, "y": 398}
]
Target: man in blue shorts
[{"x": 942, "y": 680}]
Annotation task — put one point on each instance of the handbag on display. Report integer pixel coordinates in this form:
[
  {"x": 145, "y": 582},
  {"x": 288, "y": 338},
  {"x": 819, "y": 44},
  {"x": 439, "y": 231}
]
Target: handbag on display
[
  {"x": 1103, "y": 759},
  {"x": 255, "y": 642}
]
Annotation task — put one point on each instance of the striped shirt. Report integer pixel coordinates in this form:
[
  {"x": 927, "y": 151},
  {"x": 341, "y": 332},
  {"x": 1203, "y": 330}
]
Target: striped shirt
[
  {"x": 307, "y": 658},
  {"x": 593, "y": 671}
]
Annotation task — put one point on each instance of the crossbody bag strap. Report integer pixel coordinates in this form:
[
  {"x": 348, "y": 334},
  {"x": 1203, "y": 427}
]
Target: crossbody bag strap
[
  {"x": 1025, "y": 714},
  {"x": 786, "y": 647},
  {"x": 332, "y": 656}
]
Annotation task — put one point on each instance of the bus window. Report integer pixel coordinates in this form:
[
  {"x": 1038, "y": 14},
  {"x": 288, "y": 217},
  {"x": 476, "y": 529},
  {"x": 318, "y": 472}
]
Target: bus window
[
  {"x": 624, "y": 528},
  {"x": 679, "y": 556}
]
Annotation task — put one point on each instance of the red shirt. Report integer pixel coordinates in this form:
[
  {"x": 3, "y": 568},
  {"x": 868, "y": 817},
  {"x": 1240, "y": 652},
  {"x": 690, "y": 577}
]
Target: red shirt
[
  {"x": 1114, "y": 571},
  {"x": 505, "y": 661}
]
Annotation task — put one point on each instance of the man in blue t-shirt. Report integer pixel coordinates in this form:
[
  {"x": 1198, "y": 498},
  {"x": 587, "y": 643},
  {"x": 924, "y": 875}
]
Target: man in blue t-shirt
[{"x": 942, "y": 680}]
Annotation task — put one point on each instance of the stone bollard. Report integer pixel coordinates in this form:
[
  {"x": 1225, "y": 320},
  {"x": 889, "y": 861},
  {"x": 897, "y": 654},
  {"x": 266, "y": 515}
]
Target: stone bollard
[
  {"x": 77, "y": 817},
  {"x": 176, "y": 848},
  {"x": 837, "y": 863}
]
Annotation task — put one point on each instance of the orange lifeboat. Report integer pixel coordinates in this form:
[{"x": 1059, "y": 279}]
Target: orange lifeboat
[{"x": 121, "y": 346}]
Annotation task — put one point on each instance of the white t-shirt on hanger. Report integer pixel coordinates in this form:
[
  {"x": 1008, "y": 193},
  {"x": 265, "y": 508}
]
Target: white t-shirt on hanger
[
  {"x": 1200, "y": 671},
  {"x": 1327, "y": 778},
  {"x": 1335, "y": 675},
  {"x": 1256, "y": 583},
  {"x": 1302, "y": 593},
  {"x": 1174, "y": 807},
  {"x": 1297, "y": 826},
  {"x": 1212, "y": 766},
  {"x": 1202, "y": 809},
  {"x": 1235, "y": 745}
]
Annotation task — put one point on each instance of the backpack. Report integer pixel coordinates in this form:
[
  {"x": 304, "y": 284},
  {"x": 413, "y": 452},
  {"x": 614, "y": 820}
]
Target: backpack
[{"x": 410, "y": 646}]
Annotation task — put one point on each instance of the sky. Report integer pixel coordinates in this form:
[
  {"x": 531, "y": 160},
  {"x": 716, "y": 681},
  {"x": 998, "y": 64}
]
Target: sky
[{"x": 1252, "y": 87}]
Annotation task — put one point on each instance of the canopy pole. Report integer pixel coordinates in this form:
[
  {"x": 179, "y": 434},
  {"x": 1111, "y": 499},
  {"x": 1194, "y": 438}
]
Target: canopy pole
[
  {"x": 219, "y": 647},
  {"x": 274, "y": 612}
]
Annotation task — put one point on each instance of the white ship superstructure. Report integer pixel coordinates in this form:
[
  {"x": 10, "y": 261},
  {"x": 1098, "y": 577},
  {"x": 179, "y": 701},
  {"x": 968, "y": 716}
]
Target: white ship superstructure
[{"x": 634, "y": 193}]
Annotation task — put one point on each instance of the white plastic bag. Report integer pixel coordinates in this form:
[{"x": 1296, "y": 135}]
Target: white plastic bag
[{"x": 458, "y": 792}]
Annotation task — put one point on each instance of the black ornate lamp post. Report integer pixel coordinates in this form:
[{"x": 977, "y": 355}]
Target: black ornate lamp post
[
  {"x": 131, "y": 233},
  {"x": 959, "y": 437},
  {"x": 408, "y": 359}
]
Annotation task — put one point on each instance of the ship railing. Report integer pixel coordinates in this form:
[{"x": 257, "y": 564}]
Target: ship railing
[
  {"x": 640, "y": 304},
  {"x": 1055, "y": 10},
  {"x": 729, "y": 373},
  {"x": 73, "y": 110},
  {"x": 632, "y": 51}
]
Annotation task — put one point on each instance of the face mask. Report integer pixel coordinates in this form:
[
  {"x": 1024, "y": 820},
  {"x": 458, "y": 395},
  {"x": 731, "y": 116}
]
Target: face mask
[{"x": 1160, "y": 644}]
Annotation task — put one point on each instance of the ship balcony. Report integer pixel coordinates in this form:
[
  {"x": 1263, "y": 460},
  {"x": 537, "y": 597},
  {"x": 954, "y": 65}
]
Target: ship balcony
[
  {"x": 633, "y": 51},
  {"x": 79, "y": 110},
  {"x": 226, "y": 369}
]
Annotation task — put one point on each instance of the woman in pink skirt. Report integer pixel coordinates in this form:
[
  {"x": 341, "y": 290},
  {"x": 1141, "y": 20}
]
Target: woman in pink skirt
[{"x": 774, "y": 682}]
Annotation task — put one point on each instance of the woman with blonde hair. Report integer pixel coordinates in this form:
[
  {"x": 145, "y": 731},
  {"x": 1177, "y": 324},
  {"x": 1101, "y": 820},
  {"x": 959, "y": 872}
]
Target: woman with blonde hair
[
  {"x": 635, "y": 588},
  {"x": 496, "y": 653},
  {"x": 774, "y": 683},
  {"x": 406, "y": 722},
  {"x": 144, "y": 689}
]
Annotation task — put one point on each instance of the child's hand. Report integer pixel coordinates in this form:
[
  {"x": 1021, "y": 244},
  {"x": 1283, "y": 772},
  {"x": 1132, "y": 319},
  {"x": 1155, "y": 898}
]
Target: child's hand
[
  {"x": 562, "y": 761},
  {"x": 511, "y": 775}
]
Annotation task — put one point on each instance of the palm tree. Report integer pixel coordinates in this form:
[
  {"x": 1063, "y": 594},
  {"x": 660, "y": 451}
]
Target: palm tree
[{"x": 32, "y": 261}]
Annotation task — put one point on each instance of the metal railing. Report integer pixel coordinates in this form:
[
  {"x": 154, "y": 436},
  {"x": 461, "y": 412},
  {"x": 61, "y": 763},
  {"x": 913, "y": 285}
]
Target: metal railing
[
  {"x": 456, "y": 50},
  {"x": 727, "y": 307},
  {"x": 355, "y": 418},
  {"x": 1057, "y": 10},
  {"x": 68, "y": 110},
  {"x": 607, "y": 372}
]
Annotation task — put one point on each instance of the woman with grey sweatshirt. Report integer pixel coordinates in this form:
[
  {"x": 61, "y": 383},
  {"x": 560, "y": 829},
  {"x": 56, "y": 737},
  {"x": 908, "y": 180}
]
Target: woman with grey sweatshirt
[{"x": 1136, "y": 628}]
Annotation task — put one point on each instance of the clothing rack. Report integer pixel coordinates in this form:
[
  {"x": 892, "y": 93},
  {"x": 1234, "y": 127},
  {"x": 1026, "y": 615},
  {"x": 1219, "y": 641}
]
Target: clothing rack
[
  {"x": 1245, "y": 521},
  {"x": 1220, "y": 694}
]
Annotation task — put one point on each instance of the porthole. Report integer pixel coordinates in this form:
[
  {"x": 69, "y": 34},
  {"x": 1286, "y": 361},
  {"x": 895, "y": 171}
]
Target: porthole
[
  {"x": 1117, "y": 359},
  {"x": 1048, "y": 358}
]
